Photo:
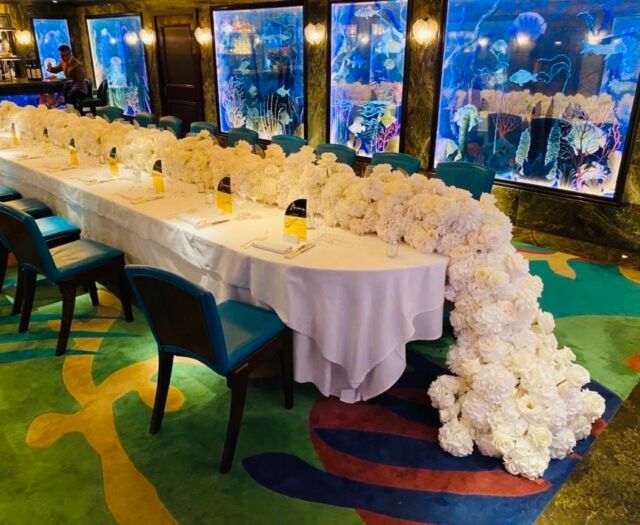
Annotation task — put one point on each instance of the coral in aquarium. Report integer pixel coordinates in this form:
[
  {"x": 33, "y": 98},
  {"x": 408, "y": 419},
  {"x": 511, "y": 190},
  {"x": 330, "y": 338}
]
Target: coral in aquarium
[
  {"x": 367, "y": 71},
  {"x": 260, "y": 69},
  {"x": 553, "y": 89}
]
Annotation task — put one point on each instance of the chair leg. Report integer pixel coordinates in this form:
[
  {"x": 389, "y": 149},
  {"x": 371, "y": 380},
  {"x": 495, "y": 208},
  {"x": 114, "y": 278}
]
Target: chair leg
[
  {"x": 19, "y": 297},
  {"x": 165, "y": 365},
  {"x": 286, "y": 369},
  {"x": 93, "y": 293},
  {"x": 125, "y": 296},
  {"x": 4, "y": 261},
  {"x": 238, "y": 385},
  {"x": 29, "y": 286},
  {"x": 68, "y": 305}
]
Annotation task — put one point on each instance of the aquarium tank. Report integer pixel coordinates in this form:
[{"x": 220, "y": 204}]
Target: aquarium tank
[
  {"x": 259, "y": 58},
  {"x": 118, "y": 56},
  {"x": 50, "y": 34},
  {"x": 540, "y": 91},
  {"x": 367, "y": 71}
]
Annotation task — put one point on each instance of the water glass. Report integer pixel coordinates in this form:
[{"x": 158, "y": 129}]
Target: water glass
[
  {"x": 209, "y": 197},
  {"x": 392, "y": 248}
]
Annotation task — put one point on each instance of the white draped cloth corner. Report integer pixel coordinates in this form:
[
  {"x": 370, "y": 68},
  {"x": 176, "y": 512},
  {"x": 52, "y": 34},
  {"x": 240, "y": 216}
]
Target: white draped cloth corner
[{"x": 351, "y": 307}]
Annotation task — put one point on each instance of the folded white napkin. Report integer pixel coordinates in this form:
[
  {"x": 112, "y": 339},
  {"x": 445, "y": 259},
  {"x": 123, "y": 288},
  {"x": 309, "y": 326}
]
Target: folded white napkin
[
  {"x": 138, "y": 198},
  {"x": 200, "y": 222},
  {"x": 273, "y": 246},
  {"x": 94, "y": 179}
]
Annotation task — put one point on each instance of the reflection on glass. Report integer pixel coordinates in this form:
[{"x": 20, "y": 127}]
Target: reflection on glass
[
  {"x": 544, "y": 96},
  {"x": 50, "y": 34},
  {"x": 367, "y": 70},
  {"x": 118, "y": 56},
  {"x": 260, "y": 70}
]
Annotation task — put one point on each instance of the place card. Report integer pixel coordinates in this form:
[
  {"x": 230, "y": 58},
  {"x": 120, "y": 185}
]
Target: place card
[
  {"x": 73, "y": 154},
  {"x": 14, "y": 135},
  {"x": 157, "y": 177},
  {"x": 113, "y": 162},
  {"x": 223, "y": 196},
  {"x": 295, "y": 220}
]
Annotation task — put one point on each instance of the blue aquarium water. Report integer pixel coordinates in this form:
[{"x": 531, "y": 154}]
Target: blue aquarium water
[
  {"x": 50, "y": 33},
  {"x": 118, "y": 56},
  {"x": 367, "y": 70},
  {"x": 51, "y": 100},
  {"x": 260, "y": 70},
  {"x": 540, "y": 91}
]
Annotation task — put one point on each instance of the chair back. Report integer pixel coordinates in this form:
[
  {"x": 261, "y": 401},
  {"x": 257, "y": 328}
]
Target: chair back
[
  {"x": 398, "y": 161},
  {"x": 345, "y": 154},
  {"x": 172, "y": 124},
  {"x": 89, "y": 83},
  {"x": 197, "y": 127},
  {"x": 289, "y": 143},
  {"x": 183, "y": 317},
  {"x": 237, "y": 134},
  {"x": 466, "y": 175},
  {"x": 103, "y": 93},
  {"x": 144, "y": 119},
  {"x": 110, "y": 113},
  {"x": 21, "y": 235}
]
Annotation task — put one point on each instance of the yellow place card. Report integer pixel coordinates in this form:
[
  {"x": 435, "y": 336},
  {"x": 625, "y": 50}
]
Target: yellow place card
[
  {"x": 14, "y": 135},
  {"x": 157, "y": 178},
  {"x": 223, "y": 195},
  {"x": 295, "y": 219},
  {"x": 46, "y": 141},
  {"x": 73, "y": 154},
  {"x": 113, "y": 162}
]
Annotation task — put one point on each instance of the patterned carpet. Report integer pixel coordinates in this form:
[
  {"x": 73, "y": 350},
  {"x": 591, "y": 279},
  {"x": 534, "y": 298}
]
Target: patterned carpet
[{"x": 75, "y": 447}]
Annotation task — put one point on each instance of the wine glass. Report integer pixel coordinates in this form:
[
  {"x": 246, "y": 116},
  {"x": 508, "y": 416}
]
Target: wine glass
[
  {"x": 319, "y": 222},
  {"x": 240, "y": 194}
]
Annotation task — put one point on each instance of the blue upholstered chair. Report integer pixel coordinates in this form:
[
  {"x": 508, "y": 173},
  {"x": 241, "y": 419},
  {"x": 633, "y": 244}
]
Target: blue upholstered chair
[
  {"x": 8, "y": 194},
  {"x": 173, "y": 124},
  {"x": 398, "y": 161},
  {"x": 197, "y": 127},
  {"x": 55, "y": 230},
  {"x": 237, "y": 134},
  {"x": 345, "y": 155},
  {"x": 33, "y": 207},
  {"x": 110, "y": 113},
  {"x": 231, "y": 338},
  {"x": 91, "y": 103},
  {"x": 144, "y": 119},
  {"x": 473, "y": 177},
  {"x": 78, "y": 263},
  {"x": 289, "y": 143}
]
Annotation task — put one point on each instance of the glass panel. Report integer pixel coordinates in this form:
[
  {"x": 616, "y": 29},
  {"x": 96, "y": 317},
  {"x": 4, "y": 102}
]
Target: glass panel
[
  {"x": 540, "y": 91},
  {"x": 51, "y": 33},
  {"x": 367, "y": 71},
  {"x": 260, "y": 70},
  {"x": 118, "y": 56}
]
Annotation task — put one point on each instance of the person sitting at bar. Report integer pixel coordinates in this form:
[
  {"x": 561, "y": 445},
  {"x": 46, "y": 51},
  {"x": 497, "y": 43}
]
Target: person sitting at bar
[{"x": 73, "y": 69}]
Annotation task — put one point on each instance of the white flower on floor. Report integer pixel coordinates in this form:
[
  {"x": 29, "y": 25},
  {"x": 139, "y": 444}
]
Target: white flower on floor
[{"x": 455, "y": 437}]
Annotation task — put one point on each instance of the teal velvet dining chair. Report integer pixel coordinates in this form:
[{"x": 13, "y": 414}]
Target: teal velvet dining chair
[
  {"x": 171, "y": 123},
  {"x": 197, "y": 127},
  {"x": 144, "y": 119},
  {"x": 472, "y": 177},
  {"x": 398, "y": 161},
  {"x": 231, "y": 338},
  {"x": 237, "y": 134},
  {"x": 110, "y": 113},
  {"x": 8, "y": 194},
  {"x": 69, "y": 266},
  {"x": 289, "y": 143},
  {"x": 345, "y": 154}
]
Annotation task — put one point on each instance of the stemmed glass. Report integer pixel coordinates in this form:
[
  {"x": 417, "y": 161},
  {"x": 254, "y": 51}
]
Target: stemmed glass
[
  {"x": 240, "y": 193},
  {"x": 319, "y": 222}
]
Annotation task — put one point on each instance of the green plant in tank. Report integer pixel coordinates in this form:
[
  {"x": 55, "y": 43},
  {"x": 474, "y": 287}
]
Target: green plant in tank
[
  {"x": 553, "y": 150},
  {"x": 523, "y": 147}
]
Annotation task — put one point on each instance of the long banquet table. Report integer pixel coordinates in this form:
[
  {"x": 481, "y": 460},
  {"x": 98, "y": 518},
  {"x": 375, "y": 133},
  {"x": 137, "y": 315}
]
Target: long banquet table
[{"x": 351, "y": 307}]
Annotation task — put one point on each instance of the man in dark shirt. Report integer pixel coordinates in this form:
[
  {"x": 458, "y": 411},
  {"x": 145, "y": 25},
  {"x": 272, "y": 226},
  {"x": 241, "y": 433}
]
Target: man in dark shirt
[{"x": 75, "y": 73}]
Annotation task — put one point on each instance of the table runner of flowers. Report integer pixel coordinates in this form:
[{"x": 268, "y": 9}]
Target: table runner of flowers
[{"x": 515, "y": 394}]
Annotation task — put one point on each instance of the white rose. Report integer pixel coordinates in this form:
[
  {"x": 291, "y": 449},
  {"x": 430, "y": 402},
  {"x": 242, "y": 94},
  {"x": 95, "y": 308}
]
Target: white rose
[
  {"x": 539, "y": 436},
  {"x": 577, "y": 375},
  {"x": 484, "y": 442},
  {"x": 594, "y": 404}
]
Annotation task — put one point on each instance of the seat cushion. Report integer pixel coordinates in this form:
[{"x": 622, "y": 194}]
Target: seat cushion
[
  {"x": 8, "y": 194},
  {"x": 80, "y": 256},
  {"x": 33, "y": 207},
  {"x": 246, "y": 329},
  {"x": 55, "y": 226}
]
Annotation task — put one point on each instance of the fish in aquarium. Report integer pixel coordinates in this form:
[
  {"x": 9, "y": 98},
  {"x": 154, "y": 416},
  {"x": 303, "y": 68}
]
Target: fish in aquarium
[
  {"x": 614, "y": 47},
  {"x": 367, "y": 12},
  {"x": 283, "y": 92},
  {"x": 522, "y": 77}
]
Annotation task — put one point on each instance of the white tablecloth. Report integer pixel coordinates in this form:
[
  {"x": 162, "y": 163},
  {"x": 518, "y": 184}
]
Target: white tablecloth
[{"x": 351, "y": 307}]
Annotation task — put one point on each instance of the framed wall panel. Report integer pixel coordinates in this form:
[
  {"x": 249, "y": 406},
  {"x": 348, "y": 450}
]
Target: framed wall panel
[
  {"x": 260, "y": 68},
  {"x": 543, "y": 92},
  {"x": 118, "y": 56},
  {"x": 367, "y": 67},
  {"x": 50, "y": 33}
]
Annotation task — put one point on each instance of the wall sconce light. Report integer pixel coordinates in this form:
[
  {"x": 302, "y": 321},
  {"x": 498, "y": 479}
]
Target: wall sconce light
[
  {"x": 131, "y": 38},
  {"x": 24, "y": 37},
  {"x": 203, "y": 35},
  {"x": 148, "y": 37},
  {"x": 424, "y": 31},
  {"x": 314, "y": 33}
]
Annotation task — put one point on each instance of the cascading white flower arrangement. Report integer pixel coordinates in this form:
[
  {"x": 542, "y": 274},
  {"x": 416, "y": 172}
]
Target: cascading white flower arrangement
[{"x": 514, "y": 395}]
